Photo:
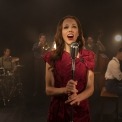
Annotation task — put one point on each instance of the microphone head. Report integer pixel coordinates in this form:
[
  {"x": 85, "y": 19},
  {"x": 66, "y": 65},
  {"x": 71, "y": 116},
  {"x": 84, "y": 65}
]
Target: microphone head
[
  {"x": 10, "y": 58},
  {"x": 74, "y": 48}
]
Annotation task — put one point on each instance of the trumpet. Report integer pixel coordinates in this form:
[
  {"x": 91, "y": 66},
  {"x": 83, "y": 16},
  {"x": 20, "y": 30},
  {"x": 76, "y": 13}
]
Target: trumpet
[{"x": 46, "y": 46}]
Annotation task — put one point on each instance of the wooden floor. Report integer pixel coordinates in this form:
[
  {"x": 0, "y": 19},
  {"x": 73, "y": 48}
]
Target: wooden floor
[
  {"x": 23, "y": 110},
  {"x": 27, "y": 108},
  {"x": 34, "y": 109}
]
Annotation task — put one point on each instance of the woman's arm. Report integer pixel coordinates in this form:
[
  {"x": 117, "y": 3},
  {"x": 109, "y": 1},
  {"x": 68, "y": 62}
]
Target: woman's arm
[
  {"x": 77, "y": 98},
  {"x": 52, "y": 90}
]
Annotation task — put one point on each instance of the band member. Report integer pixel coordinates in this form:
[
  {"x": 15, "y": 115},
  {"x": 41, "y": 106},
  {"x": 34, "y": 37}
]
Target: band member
[
  {"x": 8, "y": 62},
  {"x": 39, "y": 49},
  {"x": 113, "y": 74},
  {"x": 98, "y": 48},
  {"x": 95, "y": 47}
]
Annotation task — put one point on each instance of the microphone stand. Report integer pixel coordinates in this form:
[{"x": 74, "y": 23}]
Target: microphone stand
[
  {"x": 74, "y": 51},
  {"x": 73, "y": 68},
  {"x": 73, "y": 73}
]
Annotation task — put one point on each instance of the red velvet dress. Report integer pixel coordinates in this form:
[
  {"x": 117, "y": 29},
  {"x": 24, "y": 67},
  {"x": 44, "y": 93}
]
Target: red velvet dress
[{"x": 58, "y": 110}]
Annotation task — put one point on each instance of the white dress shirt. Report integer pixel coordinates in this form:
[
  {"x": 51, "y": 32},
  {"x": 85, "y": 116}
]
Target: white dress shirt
[{"x": 113, "y": 70}]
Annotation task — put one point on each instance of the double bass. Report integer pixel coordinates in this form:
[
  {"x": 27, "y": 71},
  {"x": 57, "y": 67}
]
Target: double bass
[{"x": 102, "y": 58}]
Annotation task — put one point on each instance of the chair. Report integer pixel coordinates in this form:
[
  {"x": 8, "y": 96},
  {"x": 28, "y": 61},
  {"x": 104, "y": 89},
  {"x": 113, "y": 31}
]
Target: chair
[{"x": 107, "y": 97}]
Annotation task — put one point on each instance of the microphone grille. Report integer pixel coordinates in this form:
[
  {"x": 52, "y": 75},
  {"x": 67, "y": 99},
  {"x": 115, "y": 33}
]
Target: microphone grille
[{"x": 74, "y": 48}]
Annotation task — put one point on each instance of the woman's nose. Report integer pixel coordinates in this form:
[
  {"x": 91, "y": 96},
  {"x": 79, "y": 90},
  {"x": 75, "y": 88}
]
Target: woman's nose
[{"x": 70, "y": 29}]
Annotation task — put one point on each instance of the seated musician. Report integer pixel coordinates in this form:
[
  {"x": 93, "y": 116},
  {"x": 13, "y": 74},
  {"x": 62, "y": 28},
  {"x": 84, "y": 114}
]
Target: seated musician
[
  {"x": 113, "y": 74},
  {"x": 8, "y": 62}
]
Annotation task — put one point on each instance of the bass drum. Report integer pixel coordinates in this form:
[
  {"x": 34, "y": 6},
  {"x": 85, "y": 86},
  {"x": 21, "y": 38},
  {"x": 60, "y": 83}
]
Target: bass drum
[{"x": 7, "y": 88}]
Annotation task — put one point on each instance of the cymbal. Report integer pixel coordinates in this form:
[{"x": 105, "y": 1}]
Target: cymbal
[{"x": 14, "y": 59}]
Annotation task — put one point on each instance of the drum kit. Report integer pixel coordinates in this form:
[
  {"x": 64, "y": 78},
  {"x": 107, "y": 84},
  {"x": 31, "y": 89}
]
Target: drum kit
[{"x": 10, "y": 83}]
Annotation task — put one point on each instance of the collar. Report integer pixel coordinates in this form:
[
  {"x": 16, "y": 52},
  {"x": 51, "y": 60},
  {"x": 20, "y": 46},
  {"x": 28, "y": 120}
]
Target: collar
[{"x": 114, "y": 58}]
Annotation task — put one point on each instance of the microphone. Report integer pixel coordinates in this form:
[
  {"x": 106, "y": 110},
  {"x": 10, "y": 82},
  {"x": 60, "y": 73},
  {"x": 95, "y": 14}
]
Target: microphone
[
  {"x": 74, "y": 48},
  {"x": 10, "y": 58}
]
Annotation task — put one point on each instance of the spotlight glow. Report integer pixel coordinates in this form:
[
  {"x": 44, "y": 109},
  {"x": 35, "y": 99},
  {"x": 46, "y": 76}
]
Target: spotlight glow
[{"x": 118, "y": 38}]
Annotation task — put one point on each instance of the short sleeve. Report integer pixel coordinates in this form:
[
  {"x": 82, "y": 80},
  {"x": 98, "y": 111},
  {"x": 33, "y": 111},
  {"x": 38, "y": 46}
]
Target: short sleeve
[{"x": 88, "y": 58}]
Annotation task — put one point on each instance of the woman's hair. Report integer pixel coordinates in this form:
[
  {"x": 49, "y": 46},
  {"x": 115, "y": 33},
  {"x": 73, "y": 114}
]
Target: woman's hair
[
  {"x": 120, "y": 49},
  {"x": 57, "y": 54}
]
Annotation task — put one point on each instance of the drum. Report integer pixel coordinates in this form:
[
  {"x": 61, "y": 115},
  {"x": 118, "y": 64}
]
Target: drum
[
  {"x": 7, "y": 88},
  {"x": 10, "y": 85}
]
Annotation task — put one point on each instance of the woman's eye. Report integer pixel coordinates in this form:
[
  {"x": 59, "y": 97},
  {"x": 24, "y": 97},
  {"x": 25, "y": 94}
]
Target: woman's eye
[
  {"x": 74, "y": 26},
  {"x": 65, "y": 27}
]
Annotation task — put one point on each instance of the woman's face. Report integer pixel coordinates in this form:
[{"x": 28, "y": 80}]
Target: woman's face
[{"x": 69, "y": 31}]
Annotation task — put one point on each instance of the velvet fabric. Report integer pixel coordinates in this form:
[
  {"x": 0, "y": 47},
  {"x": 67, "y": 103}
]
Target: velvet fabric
[{"x": 58, "y": 110}]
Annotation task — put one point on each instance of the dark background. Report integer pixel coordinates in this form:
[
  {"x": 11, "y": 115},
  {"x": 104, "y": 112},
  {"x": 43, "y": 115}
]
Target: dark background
[{"x": 22, "y": 20}]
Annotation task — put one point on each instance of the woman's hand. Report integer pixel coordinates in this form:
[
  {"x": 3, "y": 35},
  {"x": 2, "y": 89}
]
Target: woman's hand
[
  {"x": 73, "y": 99},
  {"x": 72, "y": 92},
  {"x": 71, "y": 87}
]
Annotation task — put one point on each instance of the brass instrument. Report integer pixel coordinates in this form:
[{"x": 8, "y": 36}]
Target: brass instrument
[{"x": 46, "y": 46}]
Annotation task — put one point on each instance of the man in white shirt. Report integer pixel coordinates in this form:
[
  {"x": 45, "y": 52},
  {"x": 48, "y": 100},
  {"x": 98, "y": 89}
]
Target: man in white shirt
[{"x": 113, "y": 74}]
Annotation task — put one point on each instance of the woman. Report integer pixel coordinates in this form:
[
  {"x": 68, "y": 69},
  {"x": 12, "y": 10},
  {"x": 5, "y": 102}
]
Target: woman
[{"x": 66, "y": 92}]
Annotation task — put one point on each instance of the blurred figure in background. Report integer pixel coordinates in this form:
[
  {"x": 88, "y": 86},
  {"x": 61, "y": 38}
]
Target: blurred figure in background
[
  {"x": 98, "y": 48},
  {"x": 8, "y": 62},
  {"x": 39, "y": 49},
  {"x": 113, "y": 74},
  {"x": 95, "y": 47}
]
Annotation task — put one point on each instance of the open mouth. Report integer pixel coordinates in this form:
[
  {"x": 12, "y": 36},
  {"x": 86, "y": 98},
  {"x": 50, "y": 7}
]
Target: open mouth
[{"x": 70, "y": 36}]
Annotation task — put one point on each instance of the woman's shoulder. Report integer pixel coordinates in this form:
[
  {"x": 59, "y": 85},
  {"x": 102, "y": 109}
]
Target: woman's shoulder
[
  {"x": 88, "y": 57},
  {"x": 47, "y": 56},
  {"x": 86, "y": 52}
]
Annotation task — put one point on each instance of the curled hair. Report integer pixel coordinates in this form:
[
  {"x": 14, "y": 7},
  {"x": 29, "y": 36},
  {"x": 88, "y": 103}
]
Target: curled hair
[{"x": 60, "y": 43}]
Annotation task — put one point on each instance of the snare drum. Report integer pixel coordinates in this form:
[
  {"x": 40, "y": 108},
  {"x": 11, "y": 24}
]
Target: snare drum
[{"x": 2, "y": 71}]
